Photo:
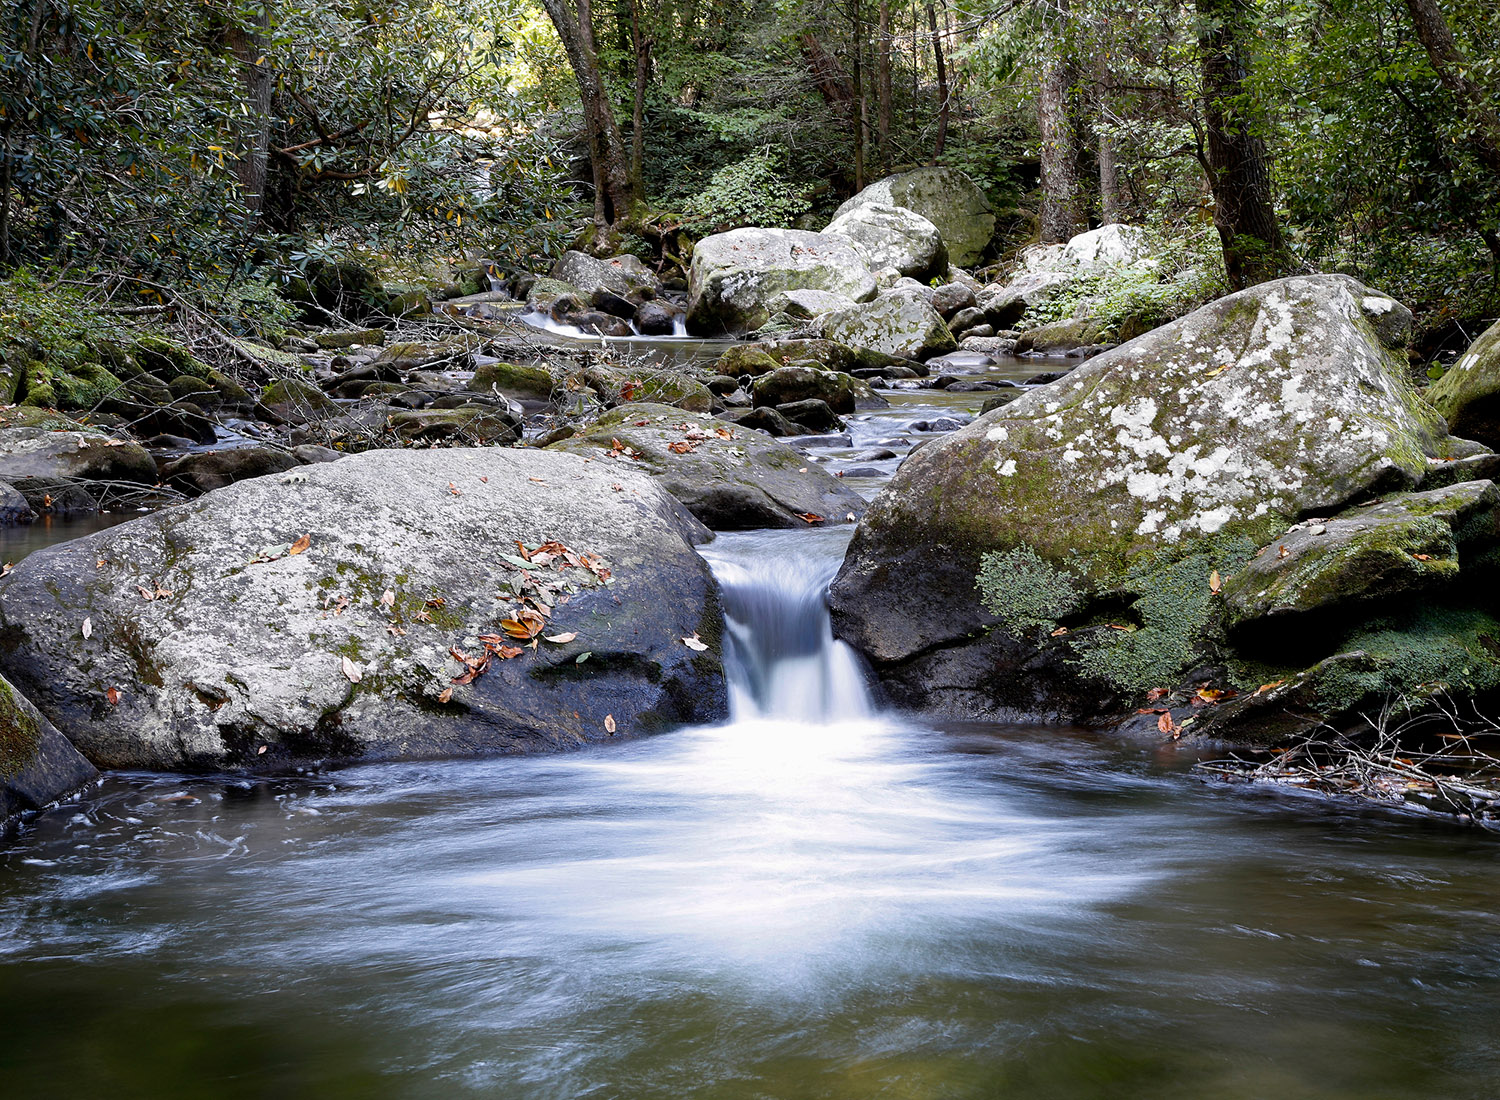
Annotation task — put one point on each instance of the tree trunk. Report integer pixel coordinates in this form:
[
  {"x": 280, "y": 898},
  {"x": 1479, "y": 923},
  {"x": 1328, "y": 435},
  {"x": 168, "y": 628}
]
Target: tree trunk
[
  {"x": 883, "y": 86},
  {"x": 614, "y": 194},
  {"x": 1453, "y": 70},
  {"x": 942, "y": 79},
  {"x": 1109, "y": 167},
  {"x": 1239, "y": 172},
  {"x": 642, "y": 46},
  {"x": 858, "y": 113},
  {"x": 1063, "y": 213}
]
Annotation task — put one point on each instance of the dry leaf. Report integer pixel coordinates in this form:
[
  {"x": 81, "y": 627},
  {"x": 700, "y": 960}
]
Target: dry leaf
[
  {"x": 696, "y": 644},
  {"x": 1269, "y": 687},
  {"x": 1281, "y": 551},
  {"x": 1154, "y": 694},
  {"x": 609, "y": 723},
  {"x": 561, "y": 638},
  {"x": 1059, "y": 632},
  {"x": 445, "y": 694},
  {"x": 353, "y": 671},
  {"x": 388, "y": 598},
  {"x": 88, "y": 627},
  {"x": 810, "y": 517},
  {"x": 300, "y": 546},
  {"x": 681, "y": 448},
  {"x": 1164, "y": 723},
  {"x": 113, "y": 695},
  {"x": 454, "y": 490},
  {"x": 1214, "y": 582},
  {"x": 262, "y": 750},
  {"x": 1422, "y": 557}
]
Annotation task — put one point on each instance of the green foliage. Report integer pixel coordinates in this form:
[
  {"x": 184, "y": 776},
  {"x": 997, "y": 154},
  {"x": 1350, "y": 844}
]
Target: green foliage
[
  {"x": 1027, "y": 594},
  {"x": 751, "y": 191},
  {"x": 1176, "y": 612},
  {"x": 1433, "y": 651}
]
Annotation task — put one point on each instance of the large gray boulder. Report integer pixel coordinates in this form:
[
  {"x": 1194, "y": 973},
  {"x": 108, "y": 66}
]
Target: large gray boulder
[
  {"x": 730, "y": 476},
  {"x": 316, "y": 615},
  {"x": 623, "y": 275},
  {"x": 947, "y": 198},
  {"x": 1279, "y": 402},
  {"x": 1469, "y": 394},
  {"x": 893, "y": 237},
  {"x": 37, "y": 764},
  {"x": 899, "y": 324},
  {"x": 734, "y": 275}
]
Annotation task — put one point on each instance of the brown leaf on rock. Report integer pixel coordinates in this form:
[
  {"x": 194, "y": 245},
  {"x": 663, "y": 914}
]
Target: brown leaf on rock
[
  {"x": 300, "y": 546},
  {"x": 446, "y": 694},
  {"x": 1214, "y": 582},
  {"x": 454, "y": 490},
  {"x": 1164, "y": 723},
  {"x": 353, "y": 671},
  {"x": 113, "y": 695},
  {"x": 1154, "y": 694},
  {"x": 810, "y": 517},
  {"x": 1274, "y": 684},
  {"x": 609, "y": 723},
  {"x": 681, "y": 448}
]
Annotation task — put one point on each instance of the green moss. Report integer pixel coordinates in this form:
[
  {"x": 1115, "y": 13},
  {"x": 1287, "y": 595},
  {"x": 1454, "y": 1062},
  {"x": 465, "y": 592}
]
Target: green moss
[
  {"x": 20, "y": 735},
  {"x": 1432, "y": 650},
  {"x": 1177, "y": 612},
  {"x": 1028, "y": 595},
  {"x": 84, "y": 386},
  {"x": 167, "y": 359}
]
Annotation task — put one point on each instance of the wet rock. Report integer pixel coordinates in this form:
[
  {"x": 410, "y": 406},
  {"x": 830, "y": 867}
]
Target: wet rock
[
  {"x": 295, "y": 402},
  {"x": 203, "y": 471},
  {"x": 410, "y": 355},
  {"x": 999, "y": 400},
  {"x": 966, "y": 320},
  {"x": 620, "y": 275},
  {"x": 873, "y": 454},
  {"x": 480, "y": 425},
  {"x": 1059, "y": 337},
  {"x": 13, "y": 506},
  {"x": 656, "y": 319},
  {"x": 617, "y": 304},
  {"x": 531, "y": 384},
  {"x": 950, "y": 298},
  {"x": 743, "y": 481},
  {"x": 797, "y": 382},
  {"x": 37, "y": 462},
  {"x": 337, "y": 341},
  {"x": 812, "y": 414},
  {"x": 246, "y": 662},
  {"x": 721, "y": 384},
  {"x": 763, "y": 419},
  {"x": 597, "y": 322},
  {"x": 38, "y": 765},
  {"x": 1045, "y": 377}
]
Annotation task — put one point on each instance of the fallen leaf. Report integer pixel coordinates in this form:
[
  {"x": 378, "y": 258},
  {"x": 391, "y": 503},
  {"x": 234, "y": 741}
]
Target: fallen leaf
[
  {"x": 538, "y": 480},
  {"x": 681, "y": 448},
  {"x": 1269, "y": 687},
  {"x": 88, "y": 627},
  {"x": 300, "y": 546},
  {"x": 584, "y": 656},
  {"x": 1164, "y": 723},
  {"x": 6, "y": 568},
  {"x": 353, "y": 671},
  {"x": 446, "y": 694},
  {"x": 484, "y": 479},
  {"x": 1214, "y": 582},
  {"x": 609, "y": 723},
  {"x": 802, "y": 470},
  {"x": 1422, "y": 557},
  {"x": 696, "y": 644},
  {"x": 1154, "y": 694},
  {"x": 454, "y": 490},
  {"x": 262, "y": 750},
  {"x": 1215, "y": 695},
  {"x": 617, "y": 487},
  {"x": 1281, "y": 551},
  {"x": 1059, "y": 632},
  {"x": 436, "y": 601},
  {"x": 810, "y": 517},
  {"x": 113, "y": 695},
  {"x": 388, "y": 598},
  {"x": 562, "y": 638}
]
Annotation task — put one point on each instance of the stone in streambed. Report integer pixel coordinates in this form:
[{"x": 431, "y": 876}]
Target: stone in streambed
[
  {"x": 203, "y": 471},
  {"x": 243, "y": 661},
  {"x": 1468, "y": 395},
  {"x": 38, "y": 765}
]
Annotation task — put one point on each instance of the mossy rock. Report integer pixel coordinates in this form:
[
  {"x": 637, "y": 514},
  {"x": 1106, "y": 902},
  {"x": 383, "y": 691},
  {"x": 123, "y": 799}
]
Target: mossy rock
[
  {"x": 523, "y": 382},
  {"x": 477, "y": 425},
  {"x": 1468, "y": 395},
  {"x": 38, "y": 765},
  {"x": 228, "y": 389},
  {"x": 30, "y": 416},
  {"x": 294, "y": 400},
  {"x": 167, "y": 359},
  {"x": 745, "y": 360},
  {"x": 1061, "y": 336},
  {"x": 186, "y": 386},
  {"x": 364, "y": 337}
]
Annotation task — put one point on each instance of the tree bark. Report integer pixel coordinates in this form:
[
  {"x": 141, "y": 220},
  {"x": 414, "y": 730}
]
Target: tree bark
[
  {"x": 883, "y": 96},
  {"x": 642, "y": 45},
  {"x": 1110, "y": 206},
  {"x": 247, "y": 44},
  {"x": 1239, "y": 172},
  {"x": 614, "y": 194},
  {"x": 1063, "y": 215},
  {"x": 857, "y": 39},
  {"x": 942, "y": 79},
  {"x": 1453, "y": 70}
]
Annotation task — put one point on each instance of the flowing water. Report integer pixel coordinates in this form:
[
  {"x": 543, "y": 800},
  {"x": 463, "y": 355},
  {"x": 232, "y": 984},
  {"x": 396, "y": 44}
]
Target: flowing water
[{"x": 816, "y": 899}]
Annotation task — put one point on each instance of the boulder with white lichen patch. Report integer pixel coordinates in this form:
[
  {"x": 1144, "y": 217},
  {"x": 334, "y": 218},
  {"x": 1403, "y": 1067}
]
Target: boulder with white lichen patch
[{"x": 1195, "y": 443}]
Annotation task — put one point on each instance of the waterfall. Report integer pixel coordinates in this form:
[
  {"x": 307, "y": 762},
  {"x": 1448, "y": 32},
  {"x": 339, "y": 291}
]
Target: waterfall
[{"x": 780, "y": 655}]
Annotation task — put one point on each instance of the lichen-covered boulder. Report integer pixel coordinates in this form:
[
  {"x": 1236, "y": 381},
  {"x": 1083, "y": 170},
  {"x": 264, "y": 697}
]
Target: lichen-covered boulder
[
  {"x": 317, "y": 614},
  {"x": 1113, "y": 245},
  {"x": 38, "y": 765},
  {"x": 730, "y": 476},
  {"x": 36, "y": 461},
  {"x": 623, "y": 275},
  {"x": 893, "y": 237},
  {"x": 947, "y": 198},
  {"x": 1229, "y": 424},
  {"x": 898, "y": 324},
  {"x": 734, "y": 275},
  {"x": 1468, "y": 395},
  {"x": 804, "y": 305},
  {"x": 1060, "y": 337},
  {"x": 1407, "y": 544}
]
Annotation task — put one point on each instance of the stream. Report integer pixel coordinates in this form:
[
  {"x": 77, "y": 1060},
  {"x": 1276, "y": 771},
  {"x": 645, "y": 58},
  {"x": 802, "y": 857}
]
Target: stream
[{"x": 816, "y": 899}]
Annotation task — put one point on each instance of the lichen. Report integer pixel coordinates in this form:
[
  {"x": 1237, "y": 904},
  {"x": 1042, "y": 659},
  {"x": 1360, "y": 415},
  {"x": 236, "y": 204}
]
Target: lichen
[
  {"x": 20, "y": 735},
  {"x": 1027, "y": 594}
]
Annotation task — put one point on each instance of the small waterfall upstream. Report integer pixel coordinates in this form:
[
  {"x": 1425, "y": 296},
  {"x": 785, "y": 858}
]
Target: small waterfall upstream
[{"x": 780, "y": 654}]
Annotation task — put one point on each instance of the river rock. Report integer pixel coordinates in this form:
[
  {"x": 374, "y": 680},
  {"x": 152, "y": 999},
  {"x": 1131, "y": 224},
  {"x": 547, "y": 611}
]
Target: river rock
[
  {"x": 902, "y": 325},
  {"x": 895, "y": 237},
  {"x": 950, "y": 298},
  {"x": 812, "y": 414},
  {"x": 37, "y": 462},
  {"x": 622, "y": 275},
  {"x": 411, "y": 355},
  {"x": 1113, "y": 245},
  {"x": 730, "y": 477},
  {"x": 1407, "y": 544},
  {"x": 13, "y": 506},
  {"x": 203, "y": 471},
  {"x": 802, "y": 381},
  {"x": 296, "y": 402},
  {"x": 481, "y": 425},
  {"x": 38, "y": 765},
  {"x": 656, "y": 319},
  {"x": 947, "y": 198},
  {"x": 1060, "y": 337},
  {"x": 1277, "y": 402},
  {"x": 1468, "y": 395},
  {"x": 734, "y": 275},
  {"x": 532, "y": 384},
  {"x": 247, "y": 654},
  {"x": 807, "y": 305}
]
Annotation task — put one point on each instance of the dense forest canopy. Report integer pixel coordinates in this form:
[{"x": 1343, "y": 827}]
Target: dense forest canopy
[{"x": 222, "y": 145}]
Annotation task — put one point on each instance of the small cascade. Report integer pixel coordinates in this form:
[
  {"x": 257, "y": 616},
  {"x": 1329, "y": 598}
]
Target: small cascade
[{"x": 780, "y": 655}]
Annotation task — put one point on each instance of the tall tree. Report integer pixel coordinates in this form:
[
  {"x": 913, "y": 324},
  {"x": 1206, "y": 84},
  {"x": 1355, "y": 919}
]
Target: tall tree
[
  {"x": 1064, "y": 212},
  {"x": 1233, "y": 152},
  {"x": 614, "y": 189}
]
